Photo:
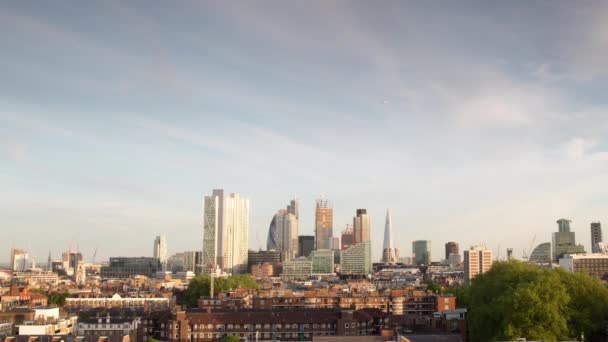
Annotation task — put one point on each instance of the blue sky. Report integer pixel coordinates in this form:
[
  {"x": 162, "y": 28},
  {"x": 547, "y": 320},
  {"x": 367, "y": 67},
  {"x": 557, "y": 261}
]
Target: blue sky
[{"x": 477, "y": 122}]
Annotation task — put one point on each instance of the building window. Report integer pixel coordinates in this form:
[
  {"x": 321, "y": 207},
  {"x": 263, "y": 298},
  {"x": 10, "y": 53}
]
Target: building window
[{"x": 346, "y": 325}]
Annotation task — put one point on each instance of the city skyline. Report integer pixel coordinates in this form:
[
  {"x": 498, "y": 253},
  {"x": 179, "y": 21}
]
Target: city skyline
[{"x": 136, "y": 111}]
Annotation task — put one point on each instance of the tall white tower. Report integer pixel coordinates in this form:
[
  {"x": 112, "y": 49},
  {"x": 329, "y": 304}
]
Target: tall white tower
[
  {"x": 225, "y": 232},
  {"x": 160, "y": 250}
]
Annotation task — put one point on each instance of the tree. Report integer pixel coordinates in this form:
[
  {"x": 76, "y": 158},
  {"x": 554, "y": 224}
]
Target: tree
[
  {"x": 433, "y": 286},
  {"x": 516, "y": 300},
  {"x": 200, "y": 286},
  {"x": 58, "y": 298},
  {"x": 462, "y": 294},
  {"x": 231, "y": 339}
]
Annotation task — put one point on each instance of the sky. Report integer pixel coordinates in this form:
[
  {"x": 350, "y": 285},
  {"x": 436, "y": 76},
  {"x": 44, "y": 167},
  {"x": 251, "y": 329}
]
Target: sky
[{"x": 473, "y": 121}]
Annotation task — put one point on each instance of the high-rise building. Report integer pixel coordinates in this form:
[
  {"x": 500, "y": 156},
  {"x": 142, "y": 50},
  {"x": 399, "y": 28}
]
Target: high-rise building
[
  {"x": 306, "y": 244},
  {"x": 335, "y": 243},
  {"x": 390, "y": 254},
  {"x": 283, "y": 231},
  {"x": 294, "y": 208},
  {"x": 596, "y": 236},
  {"x": 324, "y": 222},
  {"x": 193, "y": 261},
  {"x": 541, "y": 254},
  {"x": 357, "y": 260},
  {"x": 477, "y": 260},
  {"x": 347, "y": 237},
  {"x": 322, "y": 261},
  {"x": 361, "y": 226},
  {"x": 564, "y": 241},
  {"x": 160, "y": 251},
  {"x": 421, "y": 252},
  {"x": 451, "y": 248},
  {"x": 70, "y": 261},
  {"x": 225, "y": 232},
  {"x": 20, "y": 260}
]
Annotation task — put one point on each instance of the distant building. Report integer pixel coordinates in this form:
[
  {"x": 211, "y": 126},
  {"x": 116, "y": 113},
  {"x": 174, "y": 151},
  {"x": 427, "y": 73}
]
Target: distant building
[
  {"x": 390, "y": 254},
  {"x": 564, "y": 241},
  {"x": 596, "y": 236},
  {"x": 283, "y": 231},
  {"x": 70, "y": 261},
  {"x": 193, "y": 261},
  {"x": 361, "y": 226},
  {"x": 125, "y": 267},
  {"x": 477, "y": 260},
  {"x": 306, "y": 244},
  {"x": 263, "y": 270},
  {"x": 347, "y": 237},
  {"x": 541, "y": 254},
  {"x": 260, "y": 257},
  {"x": 451, "y": 248},
  {"x": 59, "y": 326},
  {"x": 357, "y": 260},
  {"x": 110, "y": 328},
  {"x": 322, "y": 261},
  {"x": 160, "y": 250},
  {"x": 117, "y": 301},
  {"x": 595, "y": 265},
  {"x": 297, "y": 269},
  {"x": 324, "y": 222},
  {"x": 225, "y": 232},
  {"x": 20, "y": 260},
  {"x": 454, "y": 259},
  {"x": 422, "y": 252}
]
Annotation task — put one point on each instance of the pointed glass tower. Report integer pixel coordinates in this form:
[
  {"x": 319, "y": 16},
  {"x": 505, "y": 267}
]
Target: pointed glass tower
[{"x": 390, "y": 254}]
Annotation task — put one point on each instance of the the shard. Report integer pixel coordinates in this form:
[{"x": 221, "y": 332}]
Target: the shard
[{"x": 390, "y": 254}]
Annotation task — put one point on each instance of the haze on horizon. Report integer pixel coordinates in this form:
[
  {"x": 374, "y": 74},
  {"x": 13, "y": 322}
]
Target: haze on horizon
[{"x": 475, "y": 122}]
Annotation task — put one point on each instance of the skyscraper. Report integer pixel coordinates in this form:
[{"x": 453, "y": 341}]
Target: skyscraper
[
  {"x": 306, "y": 244},
  {"x": 20, "y": 260},
  {"x": 422, "y": 252},
  {"x": 390, "y": 254},
  {"x": 564, "y": 241},
  {"x": 477, "y": 260},
  {"x": 283, "y": 232},
  {"x": 324, "y": 221},
  {"x": 596, "y": 236},
  {"x": 357, "y": 259},
  {"x": 225, "y": 232},
  {"x": 451, "y": 248},
  {"x": 160, "y": 251},
  {"x": 347, "y": 237},
  {"x": 361, "y": 226}
]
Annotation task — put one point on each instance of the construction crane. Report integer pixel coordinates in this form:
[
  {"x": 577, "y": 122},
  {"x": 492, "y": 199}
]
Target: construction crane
[
  {"x": 94, "y": 255},
  {"x": 529, "y": 251}
]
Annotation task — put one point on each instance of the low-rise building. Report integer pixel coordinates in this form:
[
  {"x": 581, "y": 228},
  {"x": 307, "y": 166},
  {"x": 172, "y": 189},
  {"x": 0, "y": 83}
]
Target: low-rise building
[
  {"x": 114, "y": 329},
  {"x": 116, "y": 301},
  {"x": 595, "y": 265},
  {"x": 48, "y": 327}
]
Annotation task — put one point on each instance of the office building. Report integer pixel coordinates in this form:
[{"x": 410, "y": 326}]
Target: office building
[
  {"x": 175, "y": 263},
  {"x": 595, "y": 265},
  {"x": 193, "y": 261},
  {"x": 596, "y": 236},
  {"x": 70, "y": 261},
  {"x": 116, "y": 301},
  {"x": 225, "y": 232},
  {"x": 361, "y": 226},
  {"x": 357, "y": 260},
  {"x": 160, "y": 250},
  {"x": 347, "y": 237},
  {"x": 421, "y": 252},
  {"x": 125, "y": 267},
  {"x": 259, "y": 257},
  {"x": 297, "y": 269},
  {"x": 541, "y": 254},
  {"x": 477, "y": 260},
  {"x": 322, "y": 261},
  {"x": 451, "y": 248},
  {"x": 564, "y": 241},
  {"x": 335, "y": 243},
  {"x": 324, "y": 222},
  {"x": 390, "y": 254},
  {"x": 20, "y": 260},
  {"x": 283, "y": 231},
  {"x": 306, "y": 244}
]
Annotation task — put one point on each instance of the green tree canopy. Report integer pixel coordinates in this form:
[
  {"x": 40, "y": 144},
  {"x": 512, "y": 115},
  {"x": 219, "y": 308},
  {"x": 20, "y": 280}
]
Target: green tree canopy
[
  {"x": 462, "y": 294},
  {"x": 516, "y": 299},
  {"x": 200, "y": 286},
  {"x": 433, "y": 286},
  {"x": 231, "y": 339},
  {"x": 57, "y": 298}
]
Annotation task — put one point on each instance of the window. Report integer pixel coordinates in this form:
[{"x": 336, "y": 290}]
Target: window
[
  {"x": 346, "y": 325},
  {"x": 210, "y": 326},
  {"x": 278, "y": 326},
  {"x": 258, "y": 326}
]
